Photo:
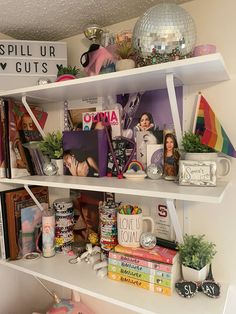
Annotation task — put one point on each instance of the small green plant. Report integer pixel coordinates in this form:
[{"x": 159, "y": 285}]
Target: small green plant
[
  {"x": 51, "y": 145},
  {"x": 67, "y": 70},
  {"x": 125, "y": 50},
  {"x": 195, "y": 252},
  {"x": 192, "y": 144}
]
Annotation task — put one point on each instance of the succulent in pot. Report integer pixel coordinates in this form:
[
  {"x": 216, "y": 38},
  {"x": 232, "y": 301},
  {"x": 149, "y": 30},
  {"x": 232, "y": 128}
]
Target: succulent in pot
[
  {"x": 196, "y": 253},
  {"x": 191, "y": 143},
  {"x": 195, "y": 150},
  {"x": 66, "y": 73},
  {"x": 125, "y": 52},
  {"x": 51, "y": 145}
]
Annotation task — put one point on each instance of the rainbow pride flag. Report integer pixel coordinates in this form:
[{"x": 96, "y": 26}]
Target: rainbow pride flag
[{"x": 211, "y": 131}]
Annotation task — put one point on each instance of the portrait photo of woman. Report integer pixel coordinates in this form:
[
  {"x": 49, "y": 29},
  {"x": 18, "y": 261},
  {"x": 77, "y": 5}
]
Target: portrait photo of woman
[
  {"x": 85, "y": 153},
  {"x": 145, "y": 122},
  {"x": 171, "y": 157},
  {"x": 79, "y": 163}
]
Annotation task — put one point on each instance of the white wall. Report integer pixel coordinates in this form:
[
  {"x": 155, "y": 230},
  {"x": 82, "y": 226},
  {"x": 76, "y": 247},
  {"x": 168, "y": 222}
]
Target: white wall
[
  {"x": 216, "y": 21},
  {"x": 216, "y": 24}
]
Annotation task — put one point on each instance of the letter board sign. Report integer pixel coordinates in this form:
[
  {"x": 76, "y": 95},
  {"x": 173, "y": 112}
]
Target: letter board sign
[{"x": 22, "y": 63}]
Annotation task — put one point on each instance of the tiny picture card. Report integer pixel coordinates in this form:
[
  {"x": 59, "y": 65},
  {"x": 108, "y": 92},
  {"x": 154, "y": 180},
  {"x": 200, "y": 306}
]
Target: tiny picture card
[
  {"x": 163, "y": 226},
  {"x": 143, "y": 139},
  {"x": 200, "y": 173},
  {"x": 155, "y": 154}
]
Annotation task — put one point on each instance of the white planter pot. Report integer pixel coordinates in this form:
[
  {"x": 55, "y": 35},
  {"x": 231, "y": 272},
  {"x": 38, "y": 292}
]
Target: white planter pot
[
  {"x": 191, "y": 274},
  {"x": 59, "y": 165},
  {"x": 201, "y": 156},
  {"x": 222, "y": 163},
  {"x": 125, "y": 64}
]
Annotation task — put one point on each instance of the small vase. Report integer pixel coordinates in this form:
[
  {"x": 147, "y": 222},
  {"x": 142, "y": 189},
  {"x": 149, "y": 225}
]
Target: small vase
[
  {"x": 125, "y": 64},
  {"x": 59, "y": 165},
  {"x": 191, "y": 274}
]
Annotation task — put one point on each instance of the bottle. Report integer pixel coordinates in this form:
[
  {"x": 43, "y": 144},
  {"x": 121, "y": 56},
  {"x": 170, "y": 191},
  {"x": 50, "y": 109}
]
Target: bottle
[{"x": 48, "y": 226}]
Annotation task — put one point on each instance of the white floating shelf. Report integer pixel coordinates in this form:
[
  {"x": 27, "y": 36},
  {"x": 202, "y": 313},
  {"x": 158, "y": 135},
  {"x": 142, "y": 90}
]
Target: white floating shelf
[
  {"x": 144, "y": 187},
  {"x": 197, "y": 70},
  {"x": 82, "y": 278}
]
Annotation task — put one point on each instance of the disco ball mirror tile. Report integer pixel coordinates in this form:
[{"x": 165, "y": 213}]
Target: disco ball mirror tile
[{"x": 164, "y": 28}]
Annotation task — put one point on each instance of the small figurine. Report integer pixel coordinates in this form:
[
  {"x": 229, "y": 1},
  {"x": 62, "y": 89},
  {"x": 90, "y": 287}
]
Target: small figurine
[
  {"x": 93, "y": 238},
  {"x": 171, "y": 157}
]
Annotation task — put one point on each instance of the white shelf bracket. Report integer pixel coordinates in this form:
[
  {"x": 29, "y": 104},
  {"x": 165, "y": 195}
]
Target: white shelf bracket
[
  {"x": 30, "y": 112},
  {"x": 33, "y": 197},
  {"x": 174, "y": 219},
  {"x": 174, "y": 107}
]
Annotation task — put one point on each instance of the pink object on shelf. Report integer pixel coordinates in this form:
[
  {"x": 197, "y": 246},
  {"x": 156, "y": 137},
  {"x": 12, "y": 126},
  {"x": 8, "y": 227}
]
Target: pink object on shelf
[
  {"x": 98, "y": 58},
  {"x": 204, "y": 50},
  {"x": 65, "y": 77}
]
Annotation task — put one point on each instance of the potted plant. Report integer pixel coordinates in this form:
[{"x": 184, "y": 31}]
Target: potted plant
[
  {"x": 51, "y": 146},
  {"x": 66, "y": 73},
  {"x": 196, "y": 254},
  {"x": 125, "y": 52},
  {"x": 195, "y": 150},
  {"x": 192, "y": 143}
]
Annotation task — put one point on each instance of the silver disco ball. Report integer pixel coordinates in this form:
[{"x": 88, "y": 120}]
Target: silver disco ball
[{"x": 164, "y": 29}]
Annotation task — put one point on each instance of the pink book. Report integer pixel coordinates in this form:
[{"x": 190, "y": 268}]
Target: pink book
[
  {"x": 141, "y": 262},
  {"x": 158, "y": 253}
]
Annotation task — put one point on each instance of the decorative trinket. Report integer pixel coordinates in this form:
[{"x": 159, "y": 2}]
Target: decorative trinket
[
  {"x": 148, "y": 240},
  {"x": 154, "y": 171},
  {"x": 43, "y": 81},
  {"x": 50, "y": 169}
]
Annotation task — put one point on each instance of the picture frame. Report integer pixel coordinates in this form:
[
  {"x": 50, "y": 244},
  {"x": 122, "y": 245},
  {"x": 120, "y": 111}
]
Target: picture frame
[
  {"x": 163, "y": 228},
  {"x": 197, "y": 173}
]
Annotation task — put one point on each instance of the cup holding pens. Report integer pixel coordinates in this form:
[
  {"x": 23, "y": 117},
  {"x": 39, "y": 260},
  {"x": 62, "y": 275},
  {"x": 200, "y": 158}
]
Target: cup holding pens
[{"x": 130, "y": 228}]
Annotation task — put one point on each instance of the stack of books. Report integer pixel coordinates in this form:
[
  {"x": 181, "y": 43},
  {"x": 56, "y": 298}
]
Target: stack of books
[{"x": 156, "y": 269}]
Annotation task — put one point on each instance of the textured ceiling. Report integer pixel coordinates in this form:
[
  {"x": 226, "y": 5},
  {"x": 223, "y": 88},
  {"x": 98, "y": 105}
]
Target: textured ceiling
[{"x": 59, "y": 19}]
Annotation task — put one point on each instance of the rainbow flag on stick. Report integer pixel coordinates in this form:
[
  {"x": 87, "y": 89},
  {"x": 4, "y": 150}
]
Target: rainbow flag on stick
[{"x": 208, "y": 126}]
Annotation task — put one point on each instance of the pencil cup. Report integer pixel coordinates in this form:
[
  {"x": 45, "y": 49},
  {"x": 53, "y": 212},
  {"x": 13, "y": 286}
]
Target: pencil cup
[{"x": 130, "y": 228}]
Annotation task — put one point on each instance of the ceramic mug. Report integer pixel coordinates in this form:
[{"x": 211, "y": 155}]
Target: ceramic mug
[
  {"x": 130, "y": 228},
  {"x": 222, "y": 163}
]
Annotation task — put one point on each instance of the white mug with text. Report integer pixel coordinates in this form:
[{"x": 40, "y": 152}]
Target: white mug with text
[
  {"x": 130, "y": 228},
  {"x": 223, "y": 165}
]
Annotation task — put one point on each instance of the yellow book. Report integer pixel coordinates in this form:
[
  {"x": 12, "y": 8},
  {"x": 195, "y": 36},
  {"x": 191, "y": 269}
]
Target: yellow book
[
  {"x": 140, "y": 283},
  {"x": 140, "y": 275}
]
